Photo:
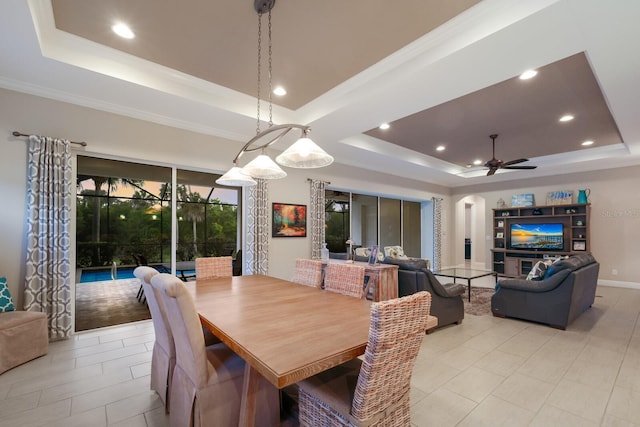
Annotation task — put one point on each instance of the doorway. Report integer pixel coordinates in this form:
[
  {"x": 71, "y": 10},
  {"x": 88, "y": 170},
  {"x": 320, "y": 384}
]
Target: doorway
[{"x": 470, "y": 243}]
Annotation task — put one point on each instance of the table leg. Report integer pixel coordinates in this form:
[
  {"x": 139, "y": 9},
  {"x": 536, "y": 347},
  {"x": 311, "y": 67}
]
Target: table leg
[
  {"x": 260, "y": 400},
  {"x": 249, "y": 392},
  {"x": 469, "y": 286}
]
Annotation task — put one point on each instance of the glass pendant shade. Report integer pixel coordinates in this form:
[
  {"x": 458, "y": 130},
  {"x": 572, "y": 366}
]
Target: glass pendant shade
[
  {"x": 304, "y": 153},
  {"x": 265, "y": 168},
  {"x": 236, "y": 177}
]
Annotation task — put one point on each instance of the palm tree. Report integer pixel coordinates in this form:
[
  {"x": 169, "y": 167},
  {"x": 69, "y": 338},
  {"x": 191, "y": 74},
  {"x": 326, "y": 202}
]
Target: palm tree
[
  {"x": 191, "y": 209},
  {"x": 98, "y": 182}
]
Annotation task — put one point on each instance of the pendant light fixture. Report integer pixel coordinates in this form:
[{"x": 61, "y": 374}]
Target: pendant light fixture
[{"x": 304, "y": 153}]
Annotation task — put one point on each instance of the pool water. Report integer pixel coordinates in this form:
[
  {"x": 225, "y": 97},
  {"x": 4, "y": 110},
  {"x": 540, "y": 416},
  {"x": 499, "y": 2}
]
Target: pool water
[
  {"x": 122, "y": 273},
  {"x": 102, "y": 275}
]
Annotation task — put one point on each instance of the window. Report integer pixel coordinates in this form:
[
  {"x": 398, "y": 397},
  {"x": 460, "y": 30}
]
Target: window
[
  {"x": 337, "y": 220},
  {"x": 207, "y": 217},
  {"x": 124, "y": 209}
]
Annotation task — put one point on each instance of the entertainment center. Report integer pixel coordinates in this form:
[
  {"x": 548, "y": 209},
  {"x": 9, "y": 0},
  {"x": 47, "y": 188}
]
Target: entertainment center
[{"x": 524, "y": 235}]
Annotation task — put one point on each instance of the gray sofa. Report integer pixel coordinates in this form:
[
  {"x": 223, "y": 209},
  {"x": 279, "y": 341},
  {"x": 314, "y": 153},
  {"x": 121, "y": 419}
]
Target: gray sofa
[
  {"x": 567, "y": 290},
  {"x": 446, "y": 300}
]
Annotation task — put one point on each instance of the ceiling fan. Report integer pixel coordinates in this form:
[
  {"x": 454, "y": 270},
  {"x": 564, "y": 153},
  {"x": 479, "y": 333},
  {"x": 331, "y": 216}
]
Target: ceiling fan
[{"x": 495, "y": 164}]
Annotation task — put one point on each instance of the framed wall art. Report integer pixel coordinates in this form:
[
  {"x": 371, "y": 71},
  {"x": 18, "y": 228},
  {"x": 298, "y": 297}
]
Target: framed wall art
[
  {"x": 560, "y": 197},
  {"x": 522, "y": 200},
  {"x": 288, "y": 220},
  {"x": 579, "y": 245}
]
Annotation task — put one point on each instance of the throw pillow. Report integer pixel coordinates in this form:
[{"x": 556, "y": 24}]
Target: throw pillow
[
  {"x": 395, "y": 252},
  {"x": 538, "y": 271},
  {"x": 6, "y": 303},
  {"x": 556, "y": 266},
  {"x": 363, "y": 251}
]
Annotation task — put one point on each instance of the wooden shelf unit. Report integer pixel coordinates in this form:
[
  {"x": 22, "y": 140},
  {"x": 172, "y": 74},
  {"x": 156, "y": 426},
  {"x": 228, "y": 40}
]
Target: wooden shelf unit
[{"x": 516, "y": 262}]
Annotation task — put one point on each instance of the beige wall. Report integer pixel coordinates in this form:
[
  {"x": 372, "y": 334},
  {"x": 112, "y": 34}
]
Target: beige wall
[
  {"x": 615, "y": 214},
  {"x": 119, "y": 137},
  {"x": 615, "y": 194}
]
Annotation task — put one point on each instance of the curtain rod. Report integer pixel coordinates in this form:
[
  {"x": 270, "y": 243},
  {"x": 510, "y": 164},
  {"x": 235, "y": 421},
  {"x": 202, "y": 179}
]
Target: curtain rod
[{"x": 16, "y": 133}]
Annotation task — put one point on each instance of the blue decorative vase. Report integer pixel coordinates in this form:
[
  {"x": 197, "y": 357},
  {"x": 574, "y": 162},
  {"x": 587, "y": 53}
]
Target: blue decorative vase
[{"x": 583, "y": 196}]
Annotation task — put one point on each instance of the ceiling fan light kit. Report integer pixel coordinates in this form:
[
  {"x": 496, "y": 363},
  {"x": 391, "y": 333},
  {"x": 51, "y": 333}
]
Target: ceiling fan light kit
[
  {"x": 304, "y": 153},
  {"x": 495, "y": 164}
]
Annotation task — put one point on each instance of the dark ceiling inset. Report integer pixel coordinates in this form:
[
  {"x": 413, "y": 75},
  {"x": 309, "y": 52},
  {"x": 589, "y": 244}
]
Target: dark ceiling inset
[
  {"x": 316, "y": 44},
  {"x": 524, "y": 113}
]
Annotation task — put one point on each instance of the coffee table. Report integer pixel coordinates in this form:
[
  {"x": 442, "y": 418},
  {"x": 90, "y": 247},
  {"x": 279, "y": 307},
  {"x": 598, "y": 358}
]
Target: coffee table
[{"x": 465, "y": 273}]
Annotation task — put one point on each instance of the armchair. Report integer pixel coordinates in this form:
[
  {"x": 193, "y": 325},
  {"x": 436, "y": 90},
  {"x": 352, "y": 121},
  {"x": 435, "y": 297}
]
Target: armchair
[
  {"x": 446, "y": 300},
  {"x": 397, "y": 252}
]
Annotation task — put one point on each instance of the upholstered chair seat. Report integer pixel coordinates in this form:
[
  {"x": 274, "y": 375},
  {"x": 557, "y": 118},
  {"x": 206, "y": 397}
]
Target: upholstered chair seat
[
  {"x": 163, "y": 357},
  {"x": 206, "y": 388}
]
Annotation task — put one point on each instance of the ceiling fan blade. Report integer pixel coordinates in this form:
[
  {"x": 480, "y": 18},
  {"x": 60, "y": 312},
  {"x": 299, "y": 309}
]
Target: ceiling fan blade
[
  {"x": 515, "y": 162},
  {"x": 492, "y": 171},
  {"x": 519, "y": 167}
]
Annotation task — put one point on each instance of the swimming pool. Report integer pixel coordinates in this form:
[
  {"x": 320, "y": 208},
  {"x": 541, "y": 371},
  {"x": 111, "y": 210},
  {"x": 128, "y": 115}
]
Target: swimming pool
[
  {"x": 105, "y": 274},
  {"x": 102, "y": 275}
]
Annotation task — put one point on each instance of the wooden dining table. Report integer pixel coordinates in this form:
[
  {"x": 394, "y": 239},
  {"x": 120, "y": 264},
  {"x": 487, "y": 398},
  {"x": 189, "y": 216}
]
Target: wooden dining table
[{"x": 284, "y": 331}]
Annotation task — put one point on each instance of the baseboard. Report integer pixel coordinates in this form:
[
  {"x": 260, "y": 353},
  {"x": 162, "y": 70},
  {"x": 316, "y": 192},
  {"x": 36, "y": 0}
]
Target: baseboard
[{"x": 619, "y": 284}]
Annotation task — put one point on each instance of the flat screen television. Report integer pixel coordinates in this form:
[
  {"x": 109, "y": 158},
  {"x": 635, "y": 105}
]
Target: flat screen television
[{"x": 537, "y": 236}]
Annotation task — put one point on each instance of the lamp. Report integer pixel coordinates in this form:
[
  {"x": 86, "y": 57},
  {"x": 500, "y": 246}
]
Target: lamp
[
  {"x": 350, "y": 255},
  {"x": 304, "y": 153}
]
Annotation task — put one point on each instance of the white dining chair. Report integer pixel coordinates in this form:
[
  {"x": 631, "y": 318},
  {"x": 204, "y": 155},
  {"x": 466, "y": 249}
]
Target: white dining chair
[
  {"x": 206, "y": 388},
  {"x": 163, "y": 358}
]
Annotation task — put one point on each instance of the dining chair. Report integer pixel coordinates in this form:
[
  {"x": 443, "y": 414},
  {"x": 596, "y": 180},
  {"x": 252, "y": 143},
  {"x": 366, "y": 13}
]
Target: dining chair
[
  {"x": 373, "y": 391},
  {"x": 207, "y": 382},
  {"x": 237, "y": 264},
  {"x": 347, "y": 279},
  {"x": 140, "y": 295},
  {"x": 163, "y": 358},
  {"x": 209, "y": 267},
  {"x": 308, "y": 272},
  {"x": 164, "y": 354}
]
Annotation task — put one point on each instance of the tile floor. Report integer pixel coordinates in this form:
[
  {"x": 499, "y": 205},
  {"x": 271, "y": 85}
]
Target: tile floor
[{"x": 484, "y": 372}]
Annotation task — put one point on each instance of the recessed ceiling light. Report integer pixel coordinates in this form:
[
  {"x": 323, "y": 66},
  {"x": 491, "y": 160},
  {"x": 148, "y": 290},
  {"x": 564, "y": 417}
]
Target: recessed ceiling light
[
  {"x": 279, "y": 91},
  {"x": 566, "y": 118},
  {"x": 528, "y": 74},
  {"x": 123, "y": 31},
  {"x": 477, "y": 162},
  {"x": 587, "y": 143},
  {"x": 384, "y": 126},
  {"x": 440, "y": 148}
]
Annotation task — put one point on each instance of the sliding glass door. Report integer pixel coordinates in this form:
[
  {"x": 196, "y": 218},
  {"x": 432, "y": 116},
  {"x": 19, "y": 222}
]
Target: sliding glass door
[
  {"x": 123, "y": 214},
  {"x": 372, "y": 220}
]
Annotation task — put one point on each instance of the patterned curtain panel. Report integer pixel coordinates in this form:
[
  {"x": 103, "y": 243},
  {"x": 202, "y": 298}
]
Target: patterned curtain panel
[
  {"x": 257, "y": 259},
  {"x": 437, "y": 233},
  {"x": 317, "y": 217},
  {"x": 49, "y": 192}
]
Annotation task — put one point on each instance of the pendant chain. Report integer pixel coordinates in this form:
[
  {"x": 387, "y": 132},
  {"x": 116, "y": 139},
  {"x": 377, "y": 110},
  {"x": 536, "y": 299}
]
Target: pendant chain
[
  {"x": 260, "y": 74},
  {"x": 270, "y": 88},
  {"x": 259, "y": 63}
]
